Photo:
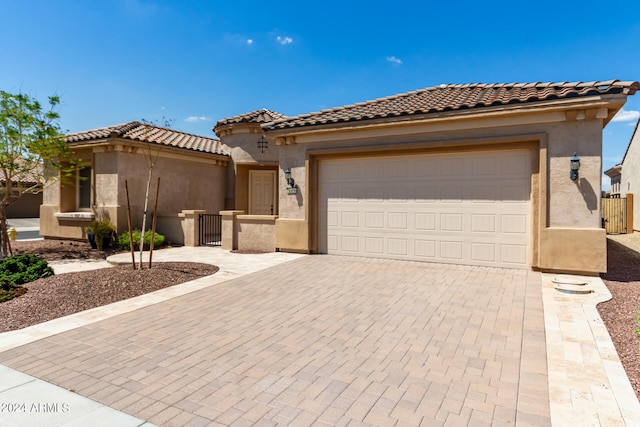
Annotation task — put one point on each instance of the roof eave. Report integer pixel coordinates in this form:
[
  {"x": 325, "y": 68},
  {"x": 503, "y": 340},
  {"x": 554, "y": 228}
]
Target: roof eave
[
  {"x": 134, "y": 143},
  {"x": 613, "y": 103}
]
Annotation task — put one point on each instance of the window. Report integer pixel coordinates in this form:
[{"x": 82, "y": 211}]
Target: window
[{"x": 84, "y": 188}]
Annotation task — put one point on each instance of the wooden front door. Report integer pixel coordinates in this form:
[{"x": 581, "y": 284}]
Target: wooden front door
[{"x": 262, "y": 195}]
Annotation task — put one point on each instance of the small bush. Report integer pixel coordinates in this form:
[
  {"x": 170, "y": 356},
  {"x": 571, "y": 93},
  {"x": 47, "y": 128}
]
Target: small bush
[
  {"x": 26, "y": 268},
  {"x": 18, "y": 270},
  {"x": 123, "y": 240}
]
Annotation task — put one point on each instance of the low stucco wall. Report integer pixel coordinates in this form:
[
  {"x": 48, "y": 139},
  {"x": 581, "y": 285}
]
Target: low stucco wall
[
  {"x": 256, "y": 232},
  {"x": 582, "y": 251},
  {"x": 292, "y": 235},
  {"x": 61, "y": 228}
]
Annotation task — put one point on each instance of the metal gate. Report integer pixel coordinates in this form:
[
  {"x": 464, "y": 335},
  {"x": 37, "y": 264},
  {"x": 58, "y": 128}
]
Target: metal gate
[
  {"x": 614, "y": 215},
  {"x": 210, "y": 229}
]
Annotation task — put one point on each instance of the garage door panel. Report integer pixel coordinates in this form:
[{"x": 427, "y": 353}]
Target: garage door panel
[
  {"x": 425, "y": 248},
  {"x": 349, "y": 243},
  {"x": 417, "y": 208},
  {"x": 451, "y": 250},
  {"x": 514, "y": 254},
  {"x": 483, "y": 223},
  {"x": 374, "y": 220},
  {"x": 483, "y": 252},
  {"x": 514, "y": 224},
  {"x": 374, "y": 245},
  {"x": 425, "y": 194},
  {"x": 425, "y": 221}
]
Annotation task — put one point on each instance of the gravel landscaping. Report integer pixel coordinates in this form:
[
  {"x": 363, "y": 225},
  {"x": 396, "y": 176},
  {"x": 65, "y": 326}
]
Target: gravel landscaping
[
  {"x": 620, "y": 314},
  {"x": 69, "y": 293}
]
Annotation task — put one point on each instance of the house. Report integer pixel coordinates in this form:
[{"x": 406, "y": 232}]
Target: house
[
  {"x": 475, "y": 174},
  {"x": 630, "y": 177},
  {"x": 502, "y": 175},
  {"x": 615, "y": 174},
  {"x": 192, "y": 170},
  {"x": 26, "y": 193}
]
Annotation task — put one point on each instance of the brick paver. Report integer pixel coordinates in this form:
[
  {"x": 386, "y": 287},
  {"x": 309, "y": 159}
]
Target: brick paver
[{"x": 322, "y": 340}]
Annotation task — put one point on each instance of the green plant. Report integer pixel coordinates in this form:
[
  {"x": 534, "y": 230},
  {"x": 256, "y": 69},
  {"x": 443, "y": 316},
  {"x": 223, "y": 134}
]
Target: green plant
[
  {"x": 102, "y": 229},
  {"x": 18, "y": 270},
  {"x": 123, "y": 240},
  {"x": 30, "y": 136}
]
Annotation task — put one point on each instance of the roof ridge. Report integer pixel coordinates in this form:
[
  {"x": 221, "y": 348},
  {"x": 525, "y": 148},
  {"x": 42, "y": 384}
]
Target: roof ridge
[{"x": 168, "y": 129}]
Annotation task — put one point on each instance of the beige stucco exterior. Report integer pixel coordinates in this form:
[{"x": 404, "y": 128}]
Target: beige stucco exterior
[
  {"x": 565, "y": 213},
  {"x": 187, "y": 181},
  {"x": 630, "y": 179}
]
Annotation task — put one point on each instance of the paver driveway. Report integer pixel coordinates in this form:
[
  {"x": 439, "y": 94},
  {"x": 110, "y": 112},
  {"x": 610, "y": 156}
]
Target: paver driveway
[{"x": 322, "y": 340}]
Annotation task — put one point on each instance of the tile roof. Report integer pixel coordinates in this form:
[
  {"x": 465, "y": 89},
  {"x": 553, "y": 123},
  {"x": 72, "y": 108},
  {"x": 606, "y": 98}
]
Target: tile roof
[
  {"x": 30, "y": 173},
  {"x": 136, "y": 131},
  {"x": 259, "y": 116},
  {"x": 454, "y": 97}
]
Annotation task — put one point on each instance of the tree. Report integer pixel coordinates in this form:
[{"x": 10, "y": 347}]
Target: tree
[
  {"x": 150, "y": 158},
  {"x": 30, "y": 137}
]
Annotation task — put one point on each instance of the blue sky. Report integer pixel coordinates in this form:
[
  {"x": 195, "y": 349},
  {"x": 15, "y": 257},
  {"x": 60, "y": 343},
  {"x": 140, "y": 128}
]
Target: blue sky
[{"x": 196, "y": 62}]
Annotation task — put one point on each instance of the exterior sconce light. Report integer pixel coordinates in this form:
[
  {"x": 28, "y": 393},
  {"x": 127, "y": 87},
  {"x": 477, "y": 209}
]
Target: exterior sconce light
[
  {"x": 574, "y": 166},
  {"x": 291, "y": 184},
  {"x": 263, "y": 144}
]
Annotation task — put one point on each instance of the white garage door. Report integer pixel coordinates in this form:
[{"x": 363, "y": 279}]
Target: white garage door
[{"x": 463, "y": 208}]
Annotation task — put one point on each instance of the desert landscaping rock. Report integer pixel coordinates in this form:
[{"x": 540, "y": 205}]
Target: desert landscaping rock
[{"x": 69, "y": 293}]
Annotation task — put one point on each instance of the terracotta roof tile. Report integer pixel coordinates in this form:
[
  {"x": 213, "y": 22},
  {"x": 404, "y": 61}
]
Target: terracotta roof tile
[
  {"x": 258, "y": 116},
  {"x": 30, "y": 176},
  {"x": 136, "y": 131},
  {"x": 454, "y": 97}
]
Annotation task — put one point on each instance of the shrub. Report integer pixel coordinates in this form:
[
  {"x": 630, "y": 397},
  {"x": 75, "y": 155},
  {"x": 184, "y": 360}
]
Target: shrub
[
  {"x": 123, "y": 240},
  {"x": 103, "y": 231},
  {"x": 18, "y": 270},
  {"x": 26, "y": 268}
]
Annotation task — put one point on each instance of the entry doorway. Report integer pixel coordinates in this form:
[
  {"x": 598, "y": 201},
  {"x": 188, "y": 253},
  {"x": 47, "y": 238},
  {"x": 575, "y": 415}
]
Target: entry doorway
[{"x": 262, "y": 194}]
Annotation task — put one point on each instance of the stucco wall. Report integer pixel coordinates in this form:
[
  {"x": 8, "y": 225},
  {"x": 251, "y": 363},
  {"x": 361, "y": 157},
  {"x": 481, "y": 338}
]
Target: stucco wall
[
  {"x": 563, "y": 204},
  {"x": 571, "y": 203},
  {"x": 630, "y": 181},
  {"x": 185, "y": 183},
  {"x": 241, "y": 143}
]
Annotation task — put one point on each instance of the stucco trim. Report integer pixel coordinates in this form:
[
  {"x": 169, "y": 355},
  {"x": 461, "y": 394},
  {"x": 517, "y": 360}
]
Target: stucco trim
[
  {"x": 137, "y": 147},
  {"x": 553, "y": 111},
  {"x": 74, "y": 216}
]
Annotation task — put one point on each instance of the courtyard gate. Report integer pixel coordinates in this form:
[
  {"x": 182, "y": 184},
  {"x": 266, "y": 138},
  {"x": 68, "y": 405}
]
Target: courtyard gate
[
  {"x": 210, "y": 229},
  {"x": 614, "y": 214}
]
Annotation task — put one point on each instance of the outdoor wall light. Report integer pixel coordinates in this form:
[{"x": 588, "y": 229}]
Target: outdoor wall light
[
  {"x": 291, "y": 184},
  {"x": 287, "y": 175},
  {"x": 263, "y": 144},
  {"x": 574, "y": 166}
]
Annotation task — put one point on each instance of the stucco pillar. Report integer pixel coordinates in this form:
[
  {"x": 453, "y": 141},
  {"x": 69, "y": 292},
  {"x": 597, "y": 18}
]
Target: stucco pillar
[
  {"x": 230, "y": 229},
  {"x": 189, "y": 222}
]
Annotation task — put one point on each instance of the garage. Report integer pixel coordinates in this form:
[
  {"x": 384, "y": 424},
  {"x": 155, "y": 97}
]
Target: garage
[{"x": 469, "y": 208}]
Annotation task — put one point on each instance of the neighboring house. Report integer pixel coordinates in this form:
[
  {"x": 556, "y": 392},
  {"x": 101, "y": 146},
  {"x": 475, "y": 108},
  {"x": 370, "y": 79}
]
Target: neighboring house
[
  {"x": 630, "y": 178},
  {"x": 615, "y": 174},
  {"x": 192, "y": 170},
  {"x": 24, "y": 204},
  {"x": 470, "y": 174}
]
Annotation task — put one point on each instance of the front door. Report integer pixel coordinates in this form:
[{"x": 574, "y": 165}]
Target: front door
[{"x": 262, "y": 196}]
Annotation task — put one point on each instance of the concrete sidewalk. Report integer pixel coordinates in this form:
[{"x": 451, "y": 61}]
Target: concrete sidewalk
[{"x": 26, "y": 228}]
